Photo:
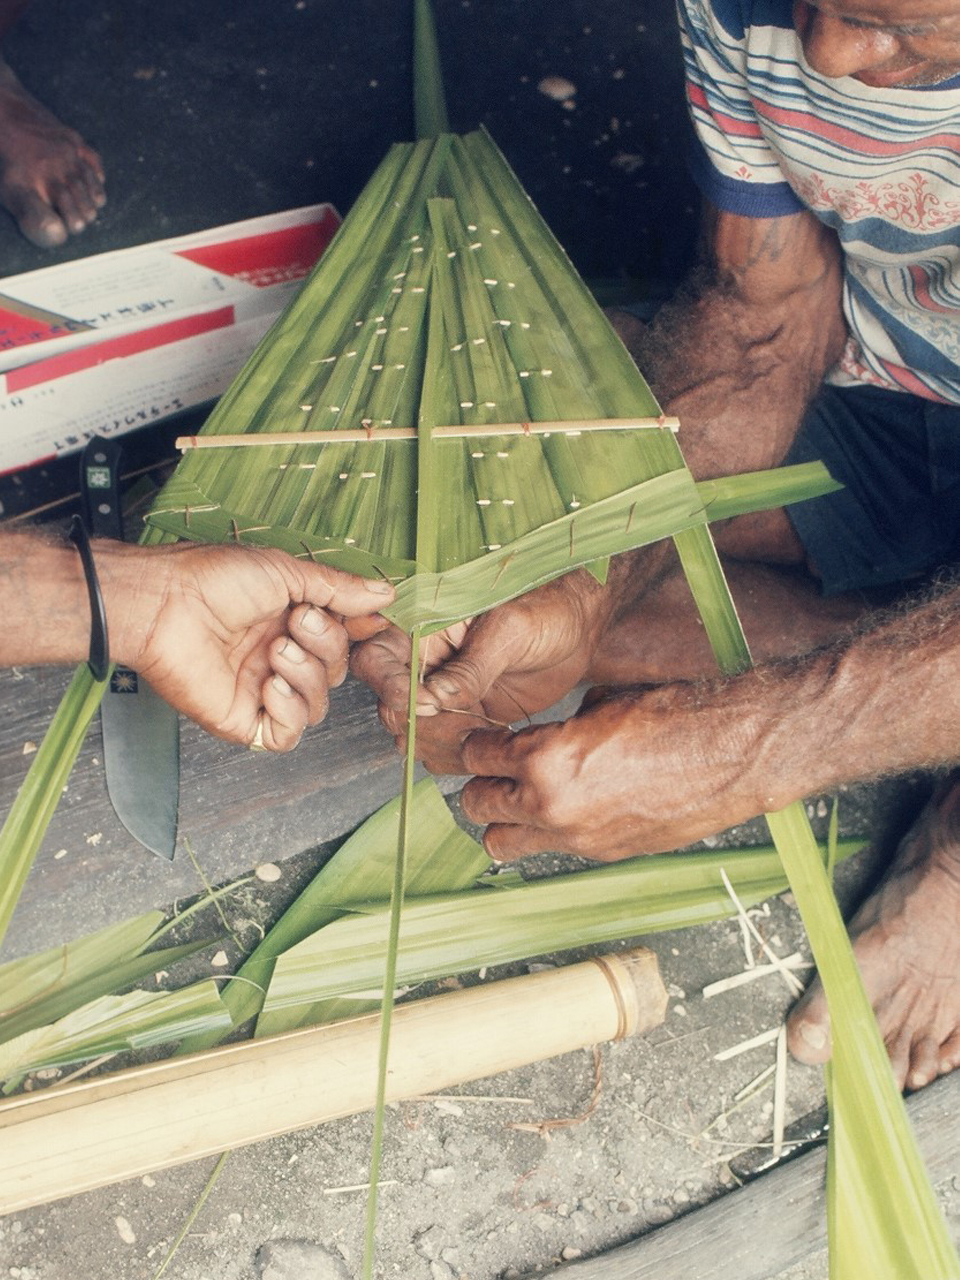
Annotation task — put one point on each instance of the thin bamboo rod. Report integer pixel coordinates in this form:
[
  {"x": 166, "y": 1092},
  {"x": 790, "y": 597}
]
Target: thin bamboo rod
[
  {"x": 75, "y": 1137},
  {"x": 460, "y": 431}
]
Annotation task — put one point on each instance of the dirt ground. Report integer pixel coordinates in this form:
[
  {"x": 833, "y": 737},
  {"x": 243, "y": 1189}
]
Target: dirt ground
[
  {"x": 208, "y": 114},
  {"x": 466, "y": 1194}
]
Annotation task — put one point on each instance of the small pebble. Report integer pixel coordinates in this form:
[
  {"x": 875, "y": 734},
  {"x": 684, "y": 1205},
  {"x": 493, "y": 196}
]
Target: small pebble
[
  {"x": 429, "y": 1243},
  {"x": 441, "y": 1177},
  {"x": 627, "y": 162},
  {"x": 558, "y": 88},
  {"x": 299, "y": 1260},
  {"x": 125, "y": 1231},
  {"x": 268, "y": 872},
  {"x": 447, "y": 1107}
]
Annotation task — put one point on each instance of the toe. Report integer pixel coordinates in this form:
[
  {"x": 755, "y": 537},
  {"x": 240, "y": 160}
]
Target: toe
[
  {"x": 808, "y": 1028},
  {"x": 949, "y": 1057},
  {"x": 899, "y": 1051},
  {"x": 88, "y": 192},
  {"x": 93, "y": 166},
  {"x": 73, "y": 205},
  {"x": 37, "y": 220},
  {"x": 924, "y": 1062}
]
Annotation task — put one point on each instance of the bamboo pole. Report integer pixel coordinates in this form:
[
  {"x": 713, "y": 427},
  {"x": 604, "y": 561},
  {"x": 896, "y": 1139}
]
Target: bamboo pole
[
  {"x": 458, "y": 431},
  {"x": 75, "y": 1137}
]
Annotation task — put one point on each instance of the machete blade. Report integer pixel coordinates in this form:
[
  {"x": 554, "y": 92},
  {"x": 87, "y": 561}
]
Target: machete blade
[{"x": 141, "y": 732}]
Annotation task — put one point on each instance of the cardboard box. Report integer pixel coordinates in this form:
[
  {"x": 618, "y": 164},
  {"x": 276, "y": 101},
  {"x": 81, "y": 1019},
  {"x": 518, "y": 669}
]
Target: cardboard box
[{"x": 107, "y": 344}]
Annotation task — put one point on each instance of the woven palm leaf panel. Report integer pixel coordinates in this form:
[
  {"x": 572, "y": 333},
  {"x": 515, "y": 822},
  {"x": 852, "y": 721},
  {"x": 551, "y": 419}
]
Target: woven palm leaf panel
[{"x": 444, "y": 301}]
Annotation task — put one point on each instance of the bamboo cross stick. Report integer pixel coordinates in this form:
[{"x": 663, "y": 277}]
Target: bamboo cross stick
[
  {"x": 460, "y": 431},
  {"x": 75, "y": 1137}
]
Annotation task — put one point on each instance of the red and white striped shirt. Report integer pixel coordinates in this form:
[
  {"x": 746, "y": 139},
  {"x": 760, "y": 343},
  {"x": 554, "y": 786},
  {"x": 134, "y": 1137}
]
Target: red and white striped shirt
[{"x": 879, "y": 166}]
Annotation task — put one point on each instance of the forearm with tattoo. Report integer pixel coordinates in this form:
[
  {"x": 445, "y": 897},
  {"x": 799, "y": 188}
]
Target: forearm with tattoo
[{"x": 739, "y": 351}]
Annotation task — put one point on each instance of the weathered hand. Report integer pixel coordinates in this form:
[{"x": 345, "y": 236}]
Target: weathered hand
[
  {"x": 235, "y": 637},
  {"x": 636, "y": 771},
  {"x": 384, "y": 663},
  {"x": 501, "y": 667}
]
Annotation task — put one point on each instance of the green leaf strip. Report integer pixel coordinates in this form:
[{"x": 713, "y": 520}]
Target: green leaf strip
[
  {"x": 457, "y": 933},
  {"x": 886, "y": 1219},
  {"x": 429, "y": 103}
]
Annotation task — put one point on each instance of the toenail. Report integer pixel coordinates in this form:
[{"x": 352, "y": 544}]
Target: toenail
[{"x": 812, "y": 1035}]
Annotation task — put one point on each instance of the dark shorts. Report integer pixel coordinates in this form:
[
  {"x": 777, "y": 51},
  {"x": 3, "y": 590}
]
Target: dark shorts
[{"x": 898, "y": 516}]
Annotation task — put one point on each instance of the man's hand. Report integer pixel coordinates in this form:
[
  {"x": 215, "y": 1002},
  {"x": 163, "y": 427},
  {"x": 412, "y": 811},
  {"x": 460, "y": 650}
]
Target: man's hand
[
  {"x": 636, "y": 771},
  {"x": 501, "y": 667},
  {"x": 239, "y": 639}
]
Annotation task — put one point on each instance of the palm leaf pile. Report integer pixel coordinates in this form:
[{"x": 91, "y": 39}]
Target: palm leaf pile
[
  {"x": 320, "y": 960},
  {"x": 445, "y": 405}
]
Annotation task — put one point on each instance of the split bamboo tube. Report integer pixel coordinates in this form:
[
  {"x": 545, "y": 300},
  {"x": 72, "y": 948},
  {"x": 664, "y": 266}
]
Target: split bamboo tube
[{"x": 75, "y": 1137}]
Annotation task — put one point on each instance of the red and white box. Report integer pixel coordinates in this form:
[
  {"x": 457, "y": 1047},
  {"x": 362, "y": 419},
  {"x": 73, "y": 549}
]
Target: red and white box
[{"x": 111, "y": 343}]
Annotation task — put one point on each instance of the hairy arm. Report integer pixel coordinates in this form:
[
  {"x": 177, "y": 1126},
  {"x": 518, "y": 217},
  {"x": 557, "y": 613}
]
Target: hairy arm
[
  {"x": 740, "y": 350},
  {"x": 701, "y": 756},
  {"x": 234, "y": 637}
]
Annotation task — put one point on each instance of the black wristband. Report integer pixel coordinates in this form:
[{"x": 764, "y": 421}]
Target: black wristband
[{"x": 99, "y": 660}]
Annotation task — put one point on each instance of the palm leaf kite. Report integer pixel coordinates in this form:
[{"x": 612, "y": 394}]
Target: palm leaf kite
[{"x": 445, "y": 405}]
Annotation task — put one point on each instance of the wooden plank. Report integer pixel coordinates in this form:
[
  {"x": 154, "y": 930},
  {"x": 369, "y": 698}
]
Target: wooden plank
[
  {"x": 761, "y": 1229},
  {"x": 238, "y": 808}
]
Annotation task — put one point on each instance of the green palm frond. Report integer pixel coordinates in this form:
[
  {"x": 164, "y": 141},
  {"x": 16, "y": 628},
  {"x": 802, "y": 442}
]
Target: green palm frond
[{"x": 444, "y": 405}]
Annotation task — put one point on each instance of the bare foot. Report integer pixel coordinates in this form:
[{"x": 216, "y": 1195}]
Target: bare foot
[
  {"x": 50, "y": 180},
  {"x": 907, "y": 942}
]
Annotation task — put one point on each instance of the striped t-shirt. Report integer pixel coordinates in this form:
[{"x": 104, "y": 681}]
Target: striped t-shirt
[{"x": 879, "y": 166}]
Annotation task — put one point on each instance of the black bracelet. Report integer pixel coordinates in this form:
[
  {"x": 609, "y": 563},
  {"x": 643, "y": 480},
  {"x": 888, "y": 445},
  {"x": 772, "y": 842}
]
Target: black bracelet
[{"x": 99, "y": 660}]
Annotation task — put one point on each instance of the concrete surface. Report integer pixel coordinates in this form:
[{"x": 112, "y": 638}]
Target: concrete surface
[{"x": 207, "y": 114}]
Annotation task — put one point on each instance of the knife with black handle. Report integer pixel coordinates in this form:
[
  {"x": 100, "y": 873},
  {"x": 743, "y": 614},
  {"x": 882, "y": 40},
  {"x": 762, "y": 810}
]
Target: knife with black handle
[{"x": 141, "y": 732}]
